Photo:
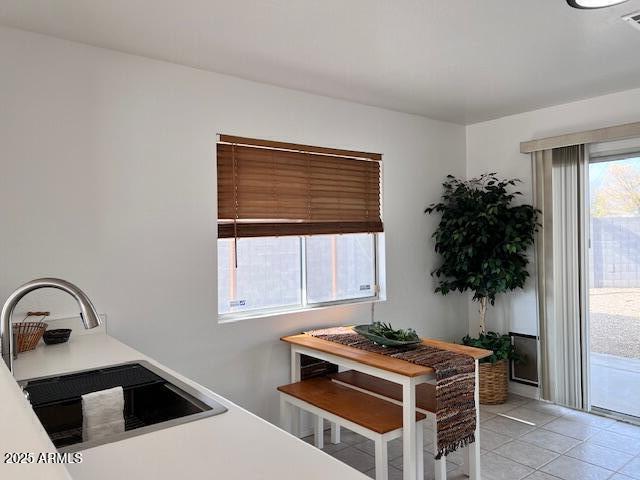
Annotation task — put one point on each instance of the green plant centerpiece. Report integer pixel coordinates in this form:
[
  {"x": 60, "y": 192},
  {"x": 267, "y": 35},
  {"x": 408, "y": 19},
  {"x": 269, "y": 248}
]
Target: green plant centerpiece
[
  {"x": 387, "y": 331},
  {"x": 384, "y": 334},
  {"x": 483, "y": 238}
]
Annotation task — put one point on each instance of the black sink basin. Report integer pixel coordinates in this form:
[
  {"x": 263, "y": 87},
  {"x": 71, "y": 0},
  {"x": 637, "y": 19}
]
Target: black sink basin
[{"x": 153, "y": 400}]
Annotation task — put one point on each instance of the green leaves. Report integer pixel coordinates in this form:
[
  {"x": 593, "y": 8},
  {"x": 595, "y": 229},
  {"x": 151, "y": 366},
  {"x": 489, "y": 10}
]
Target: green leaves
[
  {"x": 501, "y": 346},
  {"x": 482, "y": 238},
  {"x": 386, "y": 330}
]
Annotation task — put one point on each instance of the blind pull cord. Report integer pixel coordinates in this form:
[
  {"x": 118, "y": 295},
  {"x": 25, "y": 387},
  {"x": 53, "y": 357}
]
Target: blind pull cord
[
  {"x": 309, "y": 197},
  {"x": 235, "y": 203},
  {"x": 366, "y": 214},
  {"x": 274, "y": 186}
]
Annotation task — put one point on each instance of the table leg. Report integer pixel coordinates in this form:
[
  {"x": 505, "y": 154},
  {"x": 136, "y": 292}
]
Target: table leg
[
  {"x": 472, "y": 452},
  {"x": 440, "y": 465},
  {"x": 409, "y": 457},
  {"x": 420, "y": 451},
  {"x": 296, "y": 413},
  {"x": 465, "y": 460}
]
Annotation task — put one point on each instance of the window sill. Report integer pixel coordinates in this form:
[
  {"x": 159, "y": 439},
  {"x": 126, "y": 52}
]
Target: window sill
[{"x": 239, "y": 316}]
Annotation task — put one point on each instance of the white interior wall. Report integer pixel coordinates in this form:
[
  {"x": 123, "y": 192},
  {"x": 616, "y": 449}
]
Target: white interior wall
[
  {"x": 494, "y": 146},
  {"x": 108, "y": 180}
]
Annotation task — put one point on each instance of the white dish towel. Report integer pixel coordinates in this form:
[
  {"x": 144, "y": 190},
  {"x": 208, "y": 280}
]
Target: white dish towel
[{"x": 102, "y": 413}]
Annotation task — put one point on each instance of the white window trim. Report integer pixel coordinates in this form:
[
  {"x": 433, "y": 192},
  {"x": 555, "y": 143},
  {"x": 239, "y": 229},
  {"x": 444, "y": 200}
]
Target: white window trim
[{"x": 380, "y": 291}]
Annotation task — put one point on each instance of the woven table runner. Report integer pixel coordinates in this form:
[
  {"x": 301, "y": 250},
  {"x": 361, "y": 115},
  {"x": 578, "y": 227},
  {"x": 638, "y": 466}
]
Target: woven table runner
[{"x": 455, "y": 383}]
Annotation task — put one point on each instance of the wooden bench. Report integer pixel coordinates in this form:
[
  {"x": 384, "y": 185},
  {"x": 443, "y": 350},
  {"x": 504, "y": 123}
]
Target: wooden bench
[
  {"x": 425, "y": 392},
  {"x": 368, "y": 415},
  {"x": 389, "y": 391}
]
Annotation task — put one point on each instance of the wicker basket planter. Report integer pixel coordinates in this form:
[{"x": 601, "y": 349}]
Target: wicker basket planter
[
  {"x": 494, "y": 382},
  {"x": 27, "y": 335}
]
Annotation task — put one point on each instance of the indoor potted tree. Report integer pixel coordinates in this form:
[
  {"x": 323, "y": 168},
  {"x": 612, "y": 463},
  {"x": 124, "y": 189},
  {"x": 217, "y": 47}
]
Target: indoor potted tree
[{"x": 483, "y": 240}]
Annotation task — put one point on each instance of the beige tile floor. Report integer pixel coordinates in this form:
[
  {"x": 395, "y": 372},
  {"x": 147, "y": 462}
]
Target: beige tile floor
[{"x": 563, "y": 444}]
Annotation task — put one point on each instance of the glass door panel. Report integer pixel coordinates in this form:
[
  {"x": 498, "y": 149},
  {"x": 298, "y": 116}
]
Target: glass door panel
[{"x": 614, "y": 284}]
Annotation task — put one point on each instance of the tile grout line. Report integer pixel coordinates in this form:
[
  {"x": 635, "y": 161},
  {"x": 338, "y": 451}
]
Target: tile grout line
[
  {"x": 624, "y": 465},
  {"x": 561, "y": 454},
  {"x": 538, "y": 427}
]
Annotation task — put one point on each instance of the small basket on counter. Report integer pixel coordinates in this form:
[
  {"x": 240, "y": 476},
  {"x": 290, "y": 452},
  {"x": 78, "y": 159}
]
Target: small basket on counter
[
  {"x": 58, "y": 335},
  {"x": 27, "y": 335}
]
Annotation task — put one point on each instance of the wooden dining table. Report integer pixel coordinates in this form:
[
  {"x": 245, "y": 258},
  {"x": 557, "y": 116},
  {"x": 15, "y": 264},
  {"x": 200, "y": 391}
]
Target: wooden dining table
[{"x": 402, "y": 372}]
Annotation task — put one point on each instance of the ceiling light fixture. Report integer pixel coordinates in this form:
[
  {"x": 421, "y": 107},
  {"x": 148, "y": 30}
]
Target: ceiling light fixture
[{"x": 590, "y": 4}]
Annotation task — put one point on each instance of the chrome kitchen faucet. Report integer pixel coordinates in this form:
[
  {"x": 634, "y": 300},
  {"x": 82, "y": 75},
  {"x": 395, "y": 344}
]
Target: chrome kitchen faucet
[{"x": 88, "y": 313}]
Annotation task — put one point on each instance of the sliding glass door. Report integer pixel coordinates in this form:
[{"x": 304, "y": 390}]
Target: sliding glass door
[{"x": 614, "y": 283}]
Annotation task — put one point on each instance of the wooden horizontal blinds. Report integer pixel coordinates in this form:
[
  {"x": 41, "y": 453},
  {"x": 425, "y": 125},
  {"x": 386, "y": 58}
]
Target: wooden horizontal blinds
[{"x": 272, "y": 189}]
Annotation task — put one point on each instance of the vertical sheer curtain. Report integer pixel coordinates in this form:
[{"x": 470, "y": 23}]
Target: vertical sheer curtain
[{"x": 559, "y": 192}]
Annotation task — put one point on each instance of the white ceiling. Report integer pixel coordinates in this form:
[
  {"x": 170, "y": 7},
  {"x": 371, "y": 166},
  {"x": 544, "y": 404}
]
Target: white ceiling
[{"x": 459, "y": 60}]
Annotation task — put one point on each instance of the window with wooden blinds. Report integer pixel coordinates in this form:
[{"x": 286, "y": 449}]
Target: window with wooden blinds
[{"x": 274, "y": 189}]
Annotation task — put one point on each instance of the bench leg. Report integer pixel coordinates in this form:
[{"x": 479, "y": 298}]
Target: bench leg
[
  {"x": 465, "y": 460},
  {"x": 335, "y": 433},
  {"x": 468, "y": 454},
  {"x": 382, "y": 461},
  {"x": 318, "y": 431},
  {"x": 441, "y": 465},
  {"x": 285, "y": 414},
  {"x": 420, "y": 452}
]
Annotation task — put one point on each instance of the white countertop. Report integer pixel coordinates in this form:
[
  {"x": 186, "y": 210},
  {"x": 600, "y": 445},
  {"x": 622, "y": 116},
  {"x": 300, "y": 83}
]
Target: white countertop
[{"x": 233, "y": 445}]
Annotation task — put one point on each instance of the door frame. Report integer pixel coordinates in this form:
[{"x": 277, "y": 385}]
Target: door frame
[{"x": 596, "y": 153}]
